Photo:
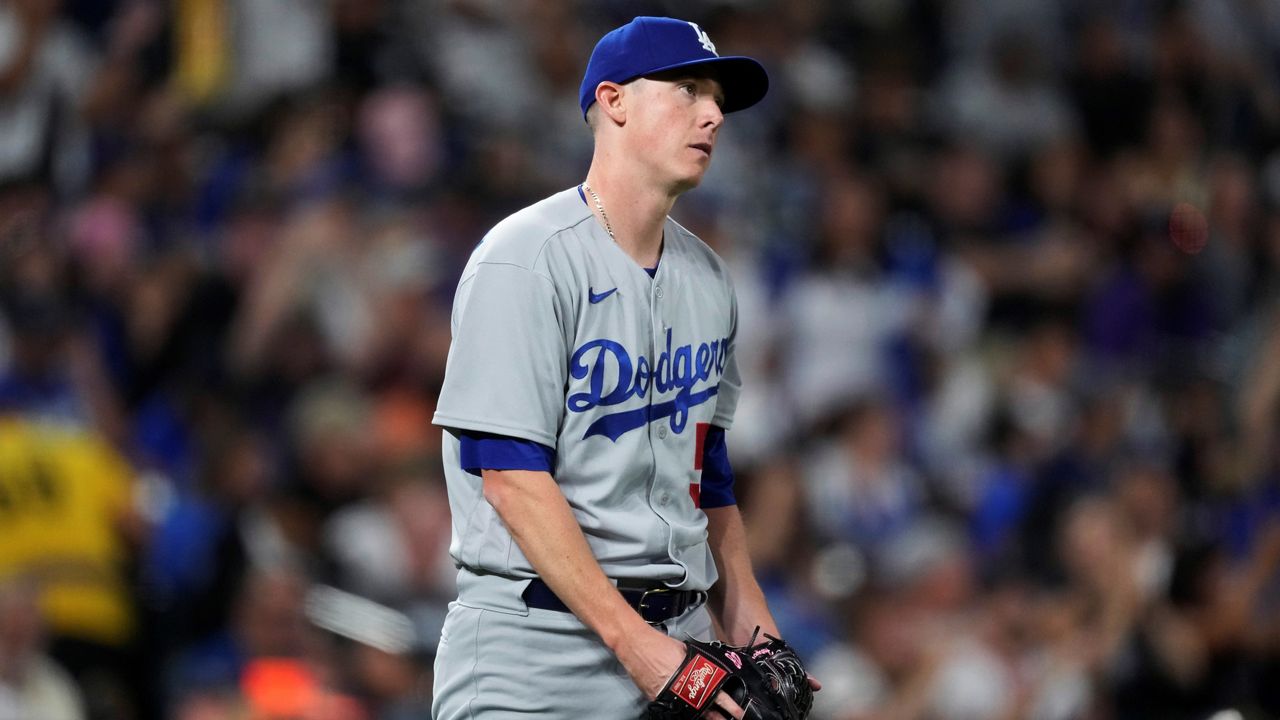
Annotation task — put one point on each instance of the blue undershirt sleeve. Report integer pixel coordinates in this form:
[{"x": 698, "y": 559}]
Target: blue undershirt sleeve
[
  {"x": 717, "y": 475},
  {"x": 484, "y": 451}
]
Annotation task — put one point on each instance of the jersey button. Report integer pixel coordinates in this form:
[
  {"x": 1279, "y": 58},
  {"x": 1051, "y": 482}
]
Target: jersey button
[
  {"x": 663, "y": 499},
  {"x": 662, "y": 432},
  {"x": 657, "y": 291}
]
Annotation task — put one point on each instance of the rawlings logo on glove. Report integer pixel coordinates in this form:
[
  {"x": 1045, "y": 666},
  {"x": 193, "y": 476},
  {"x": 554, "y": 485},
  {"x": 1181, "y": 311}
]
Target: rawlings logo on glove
[{"x": 766, "y": 679}]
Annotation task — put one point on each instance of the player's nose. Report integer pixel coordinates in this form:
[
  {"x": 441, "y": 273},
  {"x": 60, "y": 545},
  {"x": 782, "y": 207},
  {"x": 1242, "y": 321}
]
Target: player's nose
[{"x": 712, "y": 115}]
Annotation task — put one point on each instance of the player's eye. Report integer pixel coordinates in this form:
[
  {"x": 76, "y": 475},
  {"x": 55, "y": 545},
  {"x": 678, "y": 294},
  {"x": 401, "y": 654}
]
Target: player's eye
[{"x": 689, "y": 88}]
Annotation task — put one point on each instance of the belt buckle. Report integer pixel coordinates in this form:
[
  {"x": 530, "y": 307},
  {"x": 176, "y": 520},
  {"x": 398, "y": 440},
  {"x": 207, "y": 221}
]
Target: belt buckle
[{"x": 644, "y": 602}]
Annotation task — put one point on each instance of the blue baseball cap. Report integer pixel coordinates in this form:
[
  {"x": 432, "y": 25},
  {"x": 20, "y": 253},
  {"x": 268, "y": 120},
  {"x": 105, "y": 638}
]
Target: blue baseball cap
[{"x": 650, "y": 45}]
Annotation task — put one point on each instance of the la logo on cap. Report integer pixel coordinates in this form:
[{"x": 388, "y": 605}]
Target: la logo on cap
[{"x": 704, "y": 39}]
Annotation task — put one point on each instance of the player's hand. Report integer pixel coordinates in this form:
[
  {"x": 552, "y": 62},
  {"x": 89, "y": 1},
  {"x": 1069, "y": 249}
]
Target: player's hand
[
  {"x": 726, "y": 706},
  {"x": 652, "y": 658}
]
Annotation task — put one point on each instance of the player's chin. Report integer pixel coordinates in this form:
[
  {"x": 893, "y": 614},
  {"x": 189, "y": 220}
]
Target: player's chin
[{"x": 690, "y": 180}]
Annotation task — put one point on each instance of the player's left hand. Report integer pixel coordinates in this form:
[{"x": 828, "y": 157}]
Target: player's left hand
[
  {"x": 725, "y": 707},
  {"x": 766, "y": 681}
]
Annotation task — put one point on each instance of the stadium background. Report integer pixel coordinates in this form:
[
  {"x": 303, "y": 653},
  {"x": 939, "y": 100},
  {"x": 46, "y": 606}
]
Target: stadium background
[{"x": 1007, "y": 450}]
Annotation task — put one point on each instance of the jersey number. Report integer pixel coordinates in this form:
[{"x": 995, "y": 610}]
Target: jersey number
[{"x": 699, "y": 446}]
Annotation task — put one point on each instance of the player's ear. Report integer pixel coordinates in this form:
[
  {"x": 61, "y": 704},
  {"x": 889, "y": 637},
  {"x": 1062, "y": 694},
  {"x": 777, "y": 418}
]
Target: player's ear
[{"x": 609, "y": 96}]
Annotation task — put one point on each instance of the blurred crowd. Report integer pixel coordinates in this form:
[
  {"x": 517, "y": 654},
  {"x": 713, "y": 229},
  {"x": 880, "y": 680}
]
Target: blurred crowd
[{"x": 1008, "y": 446}]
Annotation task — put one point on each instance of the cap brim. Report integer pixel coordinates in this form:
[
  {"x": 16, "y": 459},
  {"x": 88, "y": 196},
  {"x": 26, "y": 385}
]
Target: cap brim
[{"x": 743, "y": 79}]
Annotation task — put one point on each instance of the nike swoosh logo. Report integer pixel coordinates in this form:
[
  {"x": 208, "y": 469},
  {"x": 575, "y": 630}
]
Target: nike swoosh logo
[{"x": 595, "y": 297}]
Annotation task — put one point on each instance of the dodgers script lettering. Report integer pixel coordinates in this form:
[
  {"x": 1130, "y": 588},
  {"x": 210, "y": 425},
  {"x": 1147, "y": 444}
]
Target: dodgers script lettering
[{"x": 613, "y": 377}]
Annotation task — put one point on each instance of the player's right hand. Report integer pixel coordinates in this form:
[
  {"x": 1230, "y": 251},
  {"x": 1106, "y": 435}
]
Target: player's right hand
[{"x": 652, "y": 657}]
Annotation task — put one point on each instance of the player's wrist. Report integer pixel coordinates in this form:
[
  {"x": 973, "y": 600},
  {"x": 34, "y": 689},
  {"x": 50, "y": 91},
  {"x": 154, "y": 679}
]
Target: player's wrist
[
  {"x": 624, "y": 632},
  {"x": 742, "y": 633}
]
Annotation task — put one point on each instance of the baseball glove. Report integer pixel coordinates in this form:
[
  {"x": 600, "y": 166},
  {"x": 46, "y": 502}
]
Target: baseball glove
[{"x": 766, "y": 679}]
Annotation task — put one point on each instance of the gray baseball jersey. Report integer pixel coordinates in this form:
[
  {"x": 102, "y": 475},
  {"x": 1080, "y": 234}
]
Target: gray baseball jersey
[{"x": 559, "y": 337}]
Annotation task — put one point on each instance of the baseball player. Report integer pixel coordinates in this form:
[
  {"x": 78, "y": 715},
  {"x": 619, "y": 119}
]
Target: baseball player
[{"x": 589, "y": 384}]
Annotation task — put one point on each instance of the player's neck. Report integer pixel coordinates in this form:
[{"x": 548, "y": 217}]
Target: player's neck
[{"x": 636, "y": 212}]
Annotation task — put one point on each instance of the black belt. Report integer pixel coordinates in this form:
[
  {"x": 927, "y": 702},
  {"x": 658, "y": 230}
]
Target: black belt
[{"x": 655, "y": 603}]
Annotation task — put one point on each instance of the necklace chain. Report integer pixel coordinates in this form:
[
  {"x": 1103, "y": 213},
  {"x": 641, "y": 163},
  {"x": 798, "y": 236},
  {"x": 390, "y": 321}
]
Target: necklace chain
[{"x": 603, "y": 215}]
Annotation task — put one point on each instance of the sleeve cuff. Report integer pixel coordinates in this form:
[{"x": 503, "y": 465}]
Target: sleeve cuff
[
  {"x": 717, "y": 475},
  {"x": 485, "y": 451}
]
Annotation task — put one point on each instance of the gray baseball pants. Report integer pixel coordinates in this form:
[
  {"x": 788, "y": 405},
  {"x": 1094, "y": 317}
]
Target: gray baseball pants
[{"x": 497, "y": 664}]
